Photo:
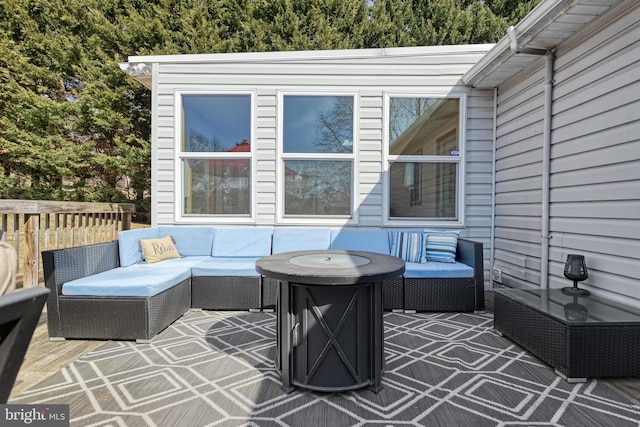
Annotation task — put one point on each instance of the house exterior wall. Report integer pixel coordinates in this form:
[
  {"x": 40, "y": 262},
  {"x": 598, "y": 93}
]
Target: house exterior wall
[
  {"x": 595, "y": 162},
  {"x": 434, "y": 71}
]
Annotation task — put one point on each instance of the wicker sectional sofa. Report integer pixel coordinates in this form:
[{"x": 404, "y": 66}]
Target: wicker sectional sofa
[{"x": 107, "y": 291}]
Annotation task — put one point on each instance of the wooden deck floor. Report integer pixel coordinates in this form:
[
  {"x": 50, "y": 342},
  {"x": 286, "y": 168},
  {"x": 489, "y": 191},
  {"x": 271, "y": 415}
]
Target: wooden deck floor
[{"x": 45, "y": 358}]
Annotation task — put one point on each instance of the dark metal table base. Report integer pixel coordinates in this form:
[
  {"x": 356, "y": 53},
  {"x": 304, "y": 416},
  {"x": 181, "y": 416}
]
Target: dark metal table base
[
  {"x": 330, "y": 338},
  {"x": 329, "y": 311}
]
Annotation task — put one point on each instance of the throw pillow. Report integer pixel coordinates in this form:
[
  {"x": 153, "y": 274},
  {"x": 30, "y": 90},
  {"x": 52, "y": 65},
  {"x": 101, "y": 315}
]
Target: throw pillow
[
  {"x": 408, "y": 246},
  {"x": 441, "y": 245},
  {"x": 154, "y": 250}
]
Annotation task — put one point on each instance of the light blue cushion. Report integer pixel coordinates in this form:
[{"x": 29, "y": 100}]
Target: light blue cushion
[
  {"x": 186, "y": 262},
  {"x": 437, "y": 270},
  {"x": 361, "y": 240},
  {"x": 137, "y": 280},
  {"x": 190, "y": 240},
  {"x": 408, "y": 246},
  {"x": 300, "y": 239},
  {"x": 129, "y": 244},
  {"x": 242, "y": 242},
  {"x": 235, "y": 266},
  {"x": 441, "y": 245}
]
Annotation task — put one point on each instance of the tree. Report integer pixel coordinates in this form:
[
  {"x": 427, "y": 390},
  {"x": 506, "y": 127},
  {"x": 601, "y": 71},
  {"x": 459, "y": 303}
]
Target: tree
[
  {"x": 73, "y": 126},
  {"x": 443, "y": 22}
]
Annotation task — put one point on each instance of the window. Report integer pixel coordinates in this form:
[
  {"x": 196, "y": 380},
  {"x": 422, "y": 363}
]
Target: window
[
  {"x": 215, "y": 154},
  {"x": 424, "y": 137},
  {"x": 317, "y": 155}
]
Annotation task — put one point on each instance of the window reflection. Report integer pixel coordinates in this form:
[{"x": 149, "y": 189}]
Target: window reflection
[
  {"x": 220, "y": 187},
  {"x": 318, "y": 124},
  {"x": 423, "y": 190},
  {"x": 425, "y": 126},
  {"x": 317, "y": 187},
  {"x": 216, "y": 154},
  {"x": 215, "y": 123},
  {"x": 317, "y": 147},
  {"x": 424, "y": 186}
]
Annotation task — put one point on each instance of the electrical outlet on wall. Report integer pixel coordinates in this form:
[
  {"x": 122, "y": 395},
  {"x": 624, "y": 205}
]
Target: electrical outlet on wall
[{"x": 496, "y": 275}]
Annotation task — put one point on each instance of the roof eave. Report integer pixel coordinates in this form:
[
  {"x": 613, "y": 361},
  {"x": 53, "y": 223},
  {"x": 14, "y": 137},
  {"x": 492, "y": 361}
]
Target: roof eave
[
  {"x": 501, "y": 63},
  {"x": 309, "y": 55},
  {"x": 141, "y": 67}
]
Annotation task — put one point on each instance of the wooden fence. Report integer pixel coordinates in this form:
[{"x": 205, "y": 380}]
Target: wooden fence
[{"x": 32, "y": 226}]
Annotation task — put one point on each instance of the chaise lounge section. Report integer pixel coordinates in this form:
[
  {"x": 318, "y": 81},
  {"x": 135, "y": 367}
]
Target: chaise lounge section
[
  {"x": 106, "y": 313},
  {"x": 110, "y": 291}
]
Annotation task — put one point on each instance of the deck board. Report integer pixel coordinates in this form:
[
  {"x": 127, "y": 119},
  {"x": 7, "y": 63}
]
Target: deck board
[{"x": 45, "y": 357}]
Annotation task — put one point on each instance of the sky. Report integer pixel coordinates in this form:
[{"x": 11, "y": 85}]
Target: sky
[
  {"x": 225, "y": 117},
  {"x": 228, "y": 119},
  {"x": 300, "y": 130}
]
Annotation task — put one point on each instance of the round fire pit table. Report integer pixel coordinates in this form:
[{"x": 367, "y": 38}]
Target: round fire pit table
[{"x": 330, "y": 334}]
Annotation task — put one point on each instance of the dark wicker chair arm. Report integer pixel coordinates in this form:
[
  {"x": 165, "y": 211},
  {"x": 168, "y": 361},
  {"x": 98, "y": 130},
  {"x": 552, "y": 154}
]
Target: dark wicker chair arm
[
  {"x": 471, "y": 253},
  {"x": 63, "y": 265}
]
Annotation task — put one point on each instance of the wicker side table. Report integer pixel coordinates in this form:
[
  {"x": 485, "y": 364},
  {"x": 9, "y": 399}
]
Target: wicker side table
[{"x": 580, "y": 337}]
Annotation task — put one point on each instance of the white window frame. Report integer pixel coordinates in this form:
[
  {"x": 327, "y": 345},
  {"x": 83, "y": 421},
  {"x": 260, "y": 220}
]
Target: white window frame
[
  {"x": 460, "y": 160},
  {"x": 281, "y": 218},
  {"x": 179, "y": 156}
]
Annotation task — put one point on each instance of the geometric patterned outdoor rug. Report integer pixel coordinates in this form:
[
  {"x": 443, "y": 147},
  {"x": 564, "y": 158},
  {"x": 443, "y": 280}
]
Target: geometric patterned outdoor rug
[{"x": 216, "y": 369}]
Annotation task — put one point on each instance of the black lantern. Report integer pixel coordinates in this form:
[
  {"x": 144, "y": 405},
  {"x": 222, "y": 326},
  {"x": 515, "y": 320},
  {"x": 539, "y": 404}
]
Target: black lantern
[{"x": 575, "y": 269}]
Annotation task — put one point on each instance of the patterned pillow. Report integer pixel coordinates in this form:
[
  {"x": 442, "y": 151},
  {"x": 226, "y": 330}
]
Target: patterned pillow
[
  {"x": 441, "y": 246},
  {"x": 154, "y": 250},
  {"x": 409, "y": 246}
]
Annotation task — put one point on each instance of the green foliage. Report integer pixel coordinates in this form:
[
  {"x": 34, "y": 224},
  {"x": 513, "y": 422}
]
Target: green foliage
[
  {"x": 73, "y": 126},
  {"x": 443, "y": 22}
]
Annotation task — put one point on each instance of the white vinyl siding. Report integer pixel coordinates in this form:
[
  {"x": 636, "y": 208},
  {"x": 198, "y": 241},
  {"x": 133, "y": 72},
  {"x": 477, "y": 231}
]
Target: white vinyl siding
[
  {"x": 595, "y": 163},
  {"x": 369, "y": 75},
  {"x": 518, "y": 178}
]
